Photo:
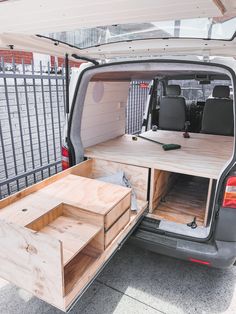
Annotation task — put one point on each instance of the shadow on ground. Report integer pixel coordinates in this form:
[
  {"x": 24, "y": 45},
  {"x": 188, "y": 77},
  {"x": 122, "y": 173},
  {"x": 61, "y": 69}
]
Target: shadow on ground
[
  {"x": 139, "y": 281},
  {"x": 171, "y": 285}
]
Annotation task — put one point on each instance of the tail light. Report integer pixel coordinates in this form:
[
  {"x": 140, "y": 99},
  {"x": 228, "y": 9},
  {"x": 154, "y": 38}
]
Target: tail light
[
  {"x": 230, "y": 193},
  {"x": 65, "y": 158},
  {"x": 199, "y": 261}
]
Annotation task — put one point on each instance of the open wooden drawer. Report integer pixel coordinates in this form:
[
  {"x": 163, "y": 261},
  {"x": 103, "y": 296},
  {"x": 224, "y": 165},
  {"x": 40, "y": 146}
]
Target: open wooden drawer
[{"x": 56, "y": 235}]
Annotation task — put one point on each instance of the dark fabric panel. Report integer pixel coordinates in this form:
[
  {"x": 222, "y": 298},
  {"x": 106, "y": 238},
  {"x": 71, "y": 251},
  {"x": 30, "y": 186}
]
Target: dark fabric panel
[
  {"x": 221, "y": 91},
  {"x": 173, "y": 90},
  {"x": 172, "y": 114},
  {"x": 218, "y": 117}
]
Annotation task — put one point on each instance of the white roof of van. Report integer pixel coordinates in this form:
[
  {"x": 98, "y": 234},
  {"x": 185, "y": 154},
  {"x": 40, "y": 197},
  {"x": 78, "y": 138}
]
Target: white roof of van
[
  {"x": 33, "y": 17},
  {"x": 21, "y": 20}
]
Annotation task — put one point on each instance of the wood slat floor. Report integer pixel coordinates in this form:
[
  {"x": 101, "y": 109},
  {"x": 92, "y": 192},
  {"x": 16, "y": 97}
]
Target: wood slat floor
[{"x": 186, "y": 200}]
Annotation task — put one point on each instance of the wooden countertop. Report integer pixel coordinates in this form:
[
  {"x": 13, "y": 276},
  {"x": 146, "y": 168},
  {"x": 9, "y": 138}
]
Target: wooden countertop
[
  {"x": 202, "y": 155},
  {"x": 88, "y": 194}
]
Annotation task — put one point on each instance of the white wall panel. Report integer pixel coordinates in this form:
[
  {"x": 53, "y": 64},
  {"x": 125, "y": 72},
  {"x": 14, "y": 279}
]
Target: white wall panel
[{"x": 105, "y": 119}]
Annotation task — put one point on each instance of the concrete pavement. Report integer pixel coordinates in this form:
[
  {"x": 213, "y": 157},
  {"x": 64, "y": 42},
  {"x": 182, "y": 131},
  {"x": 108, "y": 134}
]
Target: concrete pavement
[{"x": 139, "y": 281}]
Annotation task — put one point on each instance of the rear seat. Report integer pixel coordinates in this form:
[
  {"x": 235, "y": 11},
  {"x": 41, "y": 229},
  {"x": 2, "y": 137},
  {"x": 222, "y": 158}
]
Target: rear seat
[{"x": 218, "y": 116}]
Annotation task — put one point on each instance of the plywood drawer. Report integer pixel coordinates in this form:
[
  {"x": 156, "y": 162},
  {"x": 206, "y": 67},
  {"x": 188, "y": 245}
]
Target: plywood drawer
[
  {"x": 55, "y": 233},
  {"x": 95, "y": 168},
  {"x": 115, "y": 229},
  {"x": 41, "y": 256},
  {"x": 117, "y": 211}
]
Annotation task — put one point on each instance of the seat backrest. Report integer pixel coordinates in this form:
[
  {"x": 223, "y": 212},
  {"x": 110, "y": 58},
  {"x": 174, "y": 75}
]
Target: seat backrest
[
  {"x": 218, "y": 116},
  {"x": 172, "y": 115}
]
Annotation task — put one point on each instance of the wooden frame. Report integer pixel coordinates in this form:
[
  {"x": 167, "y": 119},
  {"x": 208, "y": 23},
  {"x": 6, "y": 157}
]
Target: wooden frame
[
  {"x": 174, "y": 209},
  {"x": 200, "y": 155},
  {"x": 57, "y": 234},
  {"x": 161, "y": 183}
]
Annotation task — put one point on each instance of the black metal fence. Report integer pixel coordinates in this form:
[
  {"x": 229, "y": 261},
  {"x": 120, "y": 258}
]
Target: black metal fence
[
  {"x": 138, "y": 93},
  {"x": 32, "y": 115},
  {"x": 31, "y": 124}
]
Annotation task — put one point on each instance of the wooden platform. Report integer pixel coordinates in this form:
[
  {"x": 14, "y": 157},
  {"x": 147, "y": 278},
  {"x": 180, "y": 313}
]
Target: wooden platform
[
  {"x": 57, "y": 234},
  {"x": 88, "y": 194},
  {"x": 202, "y": 155},
  {"x": 74, "y": 232},
  {"x": 186, "y": 200}
]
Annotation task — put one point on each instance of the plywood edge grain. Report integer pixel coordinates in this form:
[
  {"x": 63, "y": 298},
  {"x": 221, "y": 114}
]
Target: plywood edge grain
[
  {"x": 82, "y": 169},
  {"x": 117, "y": 210},
  {"x": 112, "y": 232},
  {"x": 33, "y": 262},
  {"x": 99, "y": 262},
  {"x": 138, "y": 176}
]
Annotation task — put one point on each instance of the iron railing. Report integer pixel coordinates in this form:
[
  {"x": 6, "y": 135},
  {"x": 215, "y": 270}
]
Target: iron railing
[
  {"x": 32, "y": 115},
  {"x": 138, "y": 93},
  {"x": 31, "y": 121}
]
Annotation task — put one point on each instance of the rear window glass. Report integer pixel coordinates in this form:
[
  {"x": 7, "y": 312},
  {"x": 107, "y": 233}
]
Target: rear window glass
[{"x": 206, "y": 28}]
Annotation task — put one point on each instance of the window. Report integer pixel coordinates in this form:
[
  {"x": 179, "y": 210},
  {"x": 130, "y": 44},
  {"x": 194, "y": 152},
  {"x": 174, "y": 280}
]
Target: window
[
  {"x": 192, "y": 90},
  {"x": 206, "y": 28}
]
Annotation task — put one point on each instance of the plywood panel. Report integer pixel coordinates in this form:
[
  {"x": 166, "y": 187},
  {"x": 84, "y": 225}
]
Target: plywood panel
[
  {"x": 187, "y": 199},
  {"x": 201, "y": 155},
  {"x": 161, "y": 183},
  {"x": 209, "y": 194},
  {"x": 100, "y": 138},
  {"x": 76, "y": 269},
  {"x": 32, "y": 261},
  {"x": 138, "y": 176},
  {"x": 92, "y": 195},
  {"x": 117, "y": 227},
  {"x": 73, "y": 234},
  {"x": 117, "y": 211},
  {"x": 100, "y": 260},
  {"x": 83, "y": 215},
  {"x": 82, "y": 169},
  {"x": 105, "y": 119}
]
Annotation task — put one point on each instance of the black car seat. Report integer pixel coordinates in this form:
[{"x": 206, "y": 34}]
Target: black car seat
[
  {"x": 218, "y": 116},
  {"x": 172, "y": 115}
]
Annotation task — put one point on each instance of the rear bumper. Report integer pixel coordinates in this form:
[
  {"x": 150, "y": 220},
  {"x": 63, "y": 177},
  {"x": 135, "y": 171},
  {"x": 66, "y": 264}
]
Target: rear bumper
[{"x": 219, "y": 254}]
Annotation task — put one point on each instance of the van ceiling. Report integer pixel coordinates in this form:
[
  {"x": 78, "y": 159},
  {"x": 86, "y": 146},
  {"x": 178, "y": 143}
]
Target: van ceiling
[
  {"x": 149, "y": 75},
  {"x": 33, "y": 17}
]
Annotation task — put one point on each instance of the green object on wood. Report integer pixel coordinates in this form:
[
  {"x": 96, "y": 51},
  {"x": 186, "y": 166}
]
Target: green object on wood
[
  {"x": 171, "y": 146},
  {"x": 164, "y": 146}
]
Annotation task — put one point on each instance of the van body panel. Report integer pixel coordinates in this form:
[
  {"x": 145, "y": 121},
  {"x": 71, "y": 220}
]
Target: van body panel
[
  {"x": 219, "y": 254},
  {"x": 225, "y": 65}
]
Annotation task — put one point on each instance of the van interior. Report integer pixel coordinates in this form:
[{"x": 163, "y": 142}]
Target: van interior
[
  {"x": 192, "y": 101},
  {"x": 162, "y": 177}
]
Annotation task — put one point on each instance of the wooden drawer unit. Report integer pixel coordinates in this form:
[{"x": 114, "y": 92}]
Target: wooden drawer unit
[
  {"x": 137, "y": 176},
  {"x": 57, "y": 234},
  {"x": 112, "y": 232}
]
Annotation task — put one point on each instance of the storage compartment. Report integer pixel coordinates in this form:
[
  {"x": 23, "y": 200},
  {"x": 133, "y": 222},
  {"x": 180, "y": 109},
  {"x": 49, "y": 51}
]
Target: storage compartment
[
  {"x": 57, "y": 234},
  {"x": 180, "y": 198},
  {"x": 137, "y": 176},
  {"x": 73, "y": 228}
]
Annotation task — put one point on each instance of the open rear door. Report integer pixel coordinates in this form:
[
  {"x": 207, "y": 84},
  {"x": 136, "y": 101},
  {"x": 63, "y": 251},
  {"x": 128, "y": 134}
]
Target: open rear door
[{"x": 99, "y": 31}]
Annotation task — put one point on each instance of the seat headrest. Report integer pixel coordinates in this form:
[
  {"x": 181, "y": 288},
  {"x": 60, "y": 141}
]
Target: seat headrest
[
  {"x": 173, "y": 90},
  {"x": 221, "y": 91}
]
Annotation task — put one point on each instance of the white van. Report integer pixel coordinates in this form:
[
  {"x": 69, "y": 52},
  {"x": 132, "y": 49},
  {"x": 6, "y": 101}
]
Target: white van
[{"x": 170, "y": 188}]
